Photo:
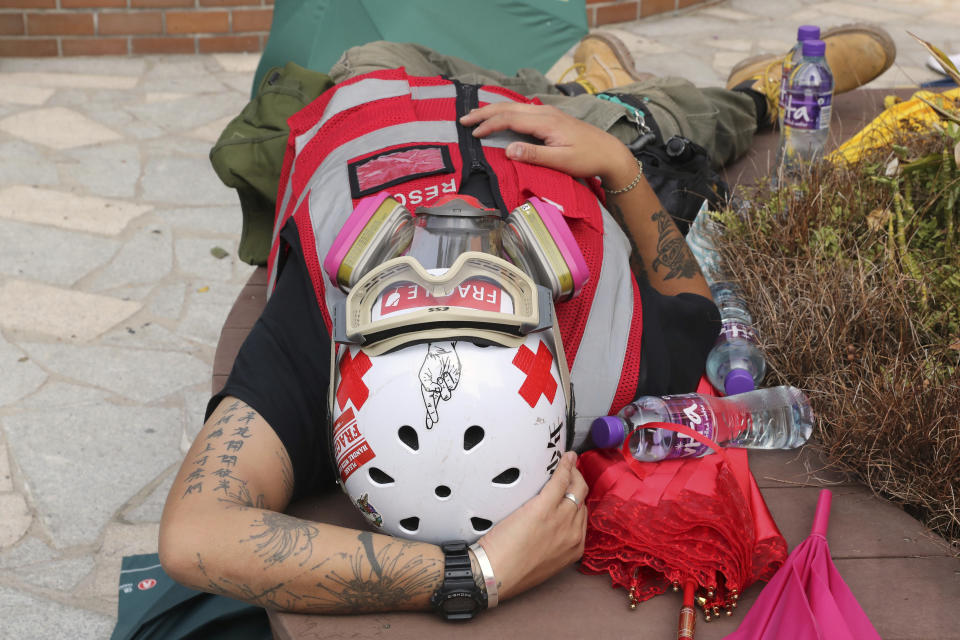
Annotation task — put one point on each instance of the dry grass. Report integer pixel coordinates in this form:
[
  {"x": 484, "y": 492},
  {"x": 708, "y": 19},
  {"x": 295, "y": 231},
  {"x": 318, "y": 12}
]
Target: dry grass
[{"x": 871, "y": 340}]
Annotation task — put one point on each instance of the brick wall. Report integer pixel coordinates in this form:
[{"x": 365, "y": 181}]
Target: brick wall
[
  {"x": 125, "y": 27},
  {"x": 600, "y": 12},
  {"x": 122, "y": 27}
]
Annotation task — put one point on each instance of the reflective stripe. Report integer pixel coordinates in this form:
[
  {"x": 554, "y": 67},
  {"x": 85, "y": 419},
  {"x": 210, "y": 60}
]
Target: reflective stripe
[
  {"x": 433, "y": 92},
  {"x": 489, "y": 96},
  {"x": 603, "y": 347},
  {"x": 352, "y": 96}
]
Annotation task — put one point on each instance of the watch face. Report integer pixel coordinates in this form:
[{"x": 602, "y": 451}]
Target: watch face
[{"x": 459, "y": 603}]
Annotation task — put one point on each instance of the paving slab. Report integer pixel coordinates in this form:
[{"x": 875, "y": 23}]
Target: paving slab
[
  {"x": 22, "y": 163},
  {"x": 183, "y": 181},
  {"x": 140, "y": 375},
  {"x": 166, "y": 301},
  {"x": 107, "y": 170},
  {"x": 32, "y": 260},
  {"x": 56, "y": 394},
  {"x": 221, "y": 220},
  {"x": 150, "y": 509},
  {"x": 29, "y": 551},
  {"x": 66, "y": 210},
  {"x": 83, "y": 463},
  {"x": 61, "y": 313},
  {"x": 57, "y": 128},
  {"x": 71, "y": 80},
  {"x": 18, "y": 93},
  {"x": 26, "y": 616},
  {"x": 6, "y": 477},
  {"x": 145, "y": 257},
  {"x": 21, "y": 376},
  {"x": 60, "y": 575},
  {"x": 15, "y": 518}
]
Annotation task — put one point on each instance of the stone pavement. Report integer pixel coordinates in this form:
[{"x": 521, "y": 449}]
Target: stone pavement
[{"x": 114, "y": 283}]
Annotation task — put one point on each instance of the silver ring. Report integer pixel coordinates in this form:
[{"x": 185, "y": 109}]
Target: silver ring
[{"x": 572, "y": 498}]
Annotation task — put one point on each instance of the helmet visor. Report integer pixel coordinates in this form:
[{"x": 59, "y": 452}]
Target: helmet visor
[{"x": 480, "y": 296}]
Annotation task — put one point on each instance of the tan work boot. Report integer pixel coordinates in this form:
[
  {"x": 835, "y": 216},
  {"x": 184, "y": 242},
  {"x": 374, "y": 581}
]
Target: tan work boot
[
  {"x": 856, "y": 53},
  {"x": 603, "y": 62}
]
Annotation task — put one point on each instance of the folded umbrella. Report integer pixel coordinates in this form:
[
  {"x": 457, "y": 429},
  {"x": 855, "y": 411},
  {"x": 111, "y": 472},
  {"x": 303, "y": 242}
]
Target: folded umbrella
[
  {"x": 653, "y": 526},
  {"x": 807, "y": 599}
]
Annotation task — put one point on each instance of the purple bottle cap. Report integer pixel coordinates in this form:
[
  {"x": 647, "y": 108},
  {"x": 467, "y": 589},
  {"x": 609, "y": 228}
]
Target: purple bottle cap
[
  {"x": 814, "y": 48},
  {"x": 808, "y": 32},
  {"x": 738, "y": 381},
  {"x": 607, "y": 432}
]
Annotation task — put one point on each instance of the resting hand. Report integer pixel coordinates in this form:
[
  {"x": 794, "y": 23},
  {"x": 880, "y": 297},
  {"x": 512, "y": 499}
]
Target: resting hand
[
  {"x": 543, "y": 536},
  {"x": 575, "y": 147}
]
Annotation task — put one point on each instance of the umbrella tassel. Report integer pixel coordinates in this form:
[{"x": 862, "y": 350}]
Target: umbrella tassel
[
  {"x": 688, "y": 615},
  {"x": 632, "y": 592}
]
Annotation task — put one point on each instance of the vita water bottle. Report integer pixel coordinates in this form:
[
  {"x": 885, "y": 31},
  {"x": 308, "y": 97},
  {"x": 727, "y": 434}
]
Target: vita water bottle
[
  {"x": 790, "y": 62},
  {"x": 736, "y": 363},
  {"x": 774, "y": 418},
  {"x": 806, "y": 116}
]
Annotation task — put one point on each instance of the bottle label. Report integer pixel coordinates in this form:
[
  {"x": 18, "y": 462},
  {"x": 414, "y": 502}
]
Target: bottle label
[
  {"x": 808, "y": 112},
  {"x": 733, "y": 330},
  {"x": 690, "y": 411}
]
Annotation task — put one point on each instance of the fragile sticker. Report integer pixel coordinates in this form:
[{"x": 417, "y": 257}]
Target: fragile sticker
[{"x": 350, "y": 448}]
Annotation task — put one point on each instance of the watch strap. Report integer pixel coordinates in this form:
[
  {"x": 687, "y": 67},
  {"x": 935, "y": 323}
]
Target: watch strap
[{"x": 458, "y": 581}]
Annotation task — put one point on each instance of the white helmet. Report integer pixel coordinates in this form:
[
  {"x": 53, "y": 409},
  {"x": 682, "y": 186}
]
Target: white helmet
[{"x": 441, "y": 438}]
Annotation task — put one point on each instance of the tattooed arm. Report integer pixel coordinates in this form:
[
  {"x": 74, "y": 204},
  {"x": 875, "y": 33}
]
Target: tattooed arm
[
  {"x": 583, "y": 151},
  {"x": 222, "y": 531}
]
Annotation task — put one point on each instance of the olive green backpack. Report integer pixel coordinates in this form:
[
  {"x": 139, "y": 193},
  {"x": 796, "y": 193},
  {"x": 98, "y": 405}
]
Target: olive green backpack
[{"x": 248, "y": 156}]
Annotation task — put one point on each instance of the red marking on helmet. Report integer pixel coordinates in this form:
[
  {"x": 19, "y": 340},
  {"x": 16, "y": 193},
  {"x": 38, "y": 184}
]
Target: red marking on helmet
[
  {"x": 351, "y": 386},
  {"x": 539, "y": 379},
  {"x": 146, "y": 583}
]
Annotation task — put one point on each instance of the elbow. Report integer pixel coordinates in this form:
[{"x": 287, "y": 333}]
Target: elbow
[{"x": 178, "y": 556}]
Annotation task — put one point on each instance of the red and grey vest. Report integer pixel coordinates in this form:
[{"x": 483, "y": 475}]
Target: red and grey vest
[{"x": 357, "y": 138}]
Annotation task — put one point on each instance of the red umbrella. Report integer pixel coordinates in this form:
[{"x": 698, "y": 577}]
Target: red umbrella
[
  {"x": 653, "y": 526},
  {"x": 807, "y": 599}
]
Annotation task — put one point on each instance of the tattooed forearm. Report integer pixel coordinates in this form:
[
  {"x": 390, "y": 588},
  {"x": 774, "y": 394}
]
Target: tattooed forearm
[
  {"x": 280, "y": 537},
  {"x": 636, "y": 263},
  {"x": 275, "y": 596},
  {"x": 672, "y": 251},
  {"x": 390, "y": 578}
]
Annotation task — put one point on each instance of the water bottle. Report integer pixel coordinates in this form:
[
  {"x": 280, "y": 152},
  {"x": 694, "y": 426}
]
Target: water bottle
[
  {"x": 774, "y": 418},
  {"x": 790, "y": 62},
  {"x": 735, "y": 364},
  {"x": 806, "y": 117},
  {"x": 700, "y": 240}
]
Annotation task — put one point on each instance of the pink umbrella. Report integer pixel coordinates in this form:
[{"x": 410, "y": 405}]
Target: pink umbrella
[{"x": 807, "y": 599}]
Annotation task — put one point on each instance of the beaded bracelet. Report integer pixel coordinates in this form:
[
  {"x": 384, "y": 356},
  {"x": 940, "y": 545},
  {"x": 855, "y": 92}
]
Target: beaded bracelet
[{"x": 636, "y": 181}]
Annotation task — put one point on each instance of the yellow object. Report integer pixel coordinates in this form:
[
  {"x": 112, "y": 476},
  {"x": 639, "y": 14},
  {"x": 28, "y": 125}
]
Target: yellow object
[{"x": 896, "y": 117}]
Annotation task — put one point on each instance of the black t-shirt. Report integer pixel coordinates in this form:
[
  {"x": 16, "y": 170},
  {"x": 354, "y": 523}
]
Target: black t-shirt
[{"x": 283, "y": 368}]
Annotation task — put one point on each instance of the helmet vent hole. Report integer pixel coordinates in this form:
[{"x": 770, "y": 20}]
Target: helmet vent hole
[
  {"x": 408, "y": 436},
  {"x": 480, "y": 524},
  {"x": 442, "y": 491},
  {"x": 378, "y": 476},
  {"x": 507, "y": 477},
  {"x": 472, "y": 437},
  {"x": 411, "y": 524}
]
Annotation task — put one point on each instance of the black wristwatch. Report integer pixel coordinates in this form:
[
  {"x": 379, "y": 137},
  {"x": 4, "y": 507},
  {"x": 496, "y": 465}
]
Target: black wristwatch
[{"x": 459, "y": 597}]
